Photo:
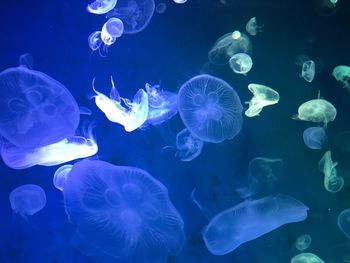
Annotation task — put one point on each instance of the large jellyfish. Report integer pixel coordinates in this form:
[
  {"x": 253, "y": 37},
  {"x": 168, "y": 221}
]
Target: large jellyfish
[
  {"x": 135, "y": 14},
  {"x": 188, "y": 146},
  {"x": 252, "y": 27},
  {"x": 314, "y": 137},
  {"x": 35, "y": 109},
  {"x": 241, "y": 63},
  {"x": 342, "y": 73},
  {"x": 332, "y": 181},
  {"x": 210, "y": 108},
  {"x": 344, "y": 222},
  {"x": 303, "y": 242},
  {"x": 123, "y": 212},
  {"x": 249, "y": 220},
  {"x": 306, "y": 258},
  {"x": 28, "y": 199},
  {"x": 61, "y": 175},
  {"x": 100, "y": 7}
]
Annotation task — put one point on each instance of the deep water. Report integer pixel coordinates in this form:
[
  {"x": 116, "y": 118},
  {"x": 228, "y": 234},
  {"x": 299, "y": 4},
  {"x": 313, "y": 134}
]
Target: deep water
[{"x": 172, "y": 49}]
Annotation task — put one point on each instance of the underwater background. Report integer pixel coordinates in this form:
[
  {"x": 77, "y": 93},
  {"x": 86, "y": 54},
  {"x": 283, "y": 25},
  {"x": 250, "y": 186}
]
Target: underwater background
[{"x": 172, "y": 49}]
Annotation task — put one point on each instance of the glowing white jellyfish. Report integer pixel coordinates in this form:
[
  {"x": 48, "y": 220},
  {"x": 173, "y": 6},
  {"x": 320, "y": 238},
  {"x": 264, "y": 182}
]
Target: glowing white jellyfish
[
  {"x": 252, "y": 27},
  {"x": 306, "y": 258},
  {"x": 130, "y": 114},
  {"x": 342, "y": 73},
  {"x": 188, "y": 146},
  {"x": 61, "y": 175},
  {"x": 111, "y": 30},
  {"x": 100, "y": 7},
  {"x": 332, "y": 181},
  {"x": 308, "y": 70},
  {"x": 94, "y": 40},
  {"x": 241, "y": 63}
]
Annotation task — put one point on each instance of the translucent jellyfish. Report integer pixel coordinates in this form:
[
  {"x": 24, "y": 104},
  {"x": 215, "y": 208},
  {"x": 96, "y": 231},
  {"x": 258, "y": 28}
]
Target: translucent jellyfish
[
  {"x": 241, "y": 63},
  {"x": 252, "y": 27},
  {"x": 344, "y": 222},
  {"x": 303, "y": 242},
  {"x": 111, "y": 30},
  {"x": 180, "y": 1},
  {"x": 342, "y": 73},
  {"x": 249, "y": 220},
  {"x": 26, "y": 60},
  {"x": 332, "y": 181},
  {"x": 188, "y": 146},
  {"x": 123, "y": 212},
  {"x": 27, "y": 200},
  {"x": 94, "y": 40},
  {"x": 100, "y": 7},
  {"x": 35, "y": 109},
  {"x": 308, "y": 70},
  {"x": 228, "y": 45},
  {"x": 314, "y": 137},
  {"x": 61, "y": 175},
  {"x": 135, "y": 15},
  {"x": 306, "y": 258},
  {"x": 161, "y": 8},
  {"x": 130, "y": 114},
  {"x": 210, "y": 108},
  {"x": 263, "y": 96}
]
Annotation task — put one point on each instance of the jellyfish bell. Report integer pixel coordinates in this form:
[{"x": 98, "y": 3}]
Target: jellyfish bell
[
  {"x": 161, "y": 7},
  {"x": 188, "y": 146},
  {"x": 100, "y": 7},
  {"x": 112, "y": 29},
  {"x": 344, "y": 222},
  {"x": 306, "y": 258},
  {"x": 314, "y": 137},
  {"x": 342, "y": 74},
  {"x": 303, "y": 242},
  {"x": 252, "y": 27},
  {"x": 180, "y": 1},
  {"x": 332, "y": 181},
  {"x": 308, "y": 70},
  {"x": 94, "y": 40},
  {"x": 241, "y": 63},
  {"x": 61, "y": 175}
]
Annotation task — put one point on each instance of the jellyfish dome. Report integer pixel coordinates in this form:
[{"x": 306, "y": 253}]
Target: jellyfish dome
[
  {"x": 344, "y": 222},
  {"x": 111, "y": 30},
  {"x": 306, "y": 258},
  {"x": 303, "y": 242},
  {"x": 35, "y": 109},
  {"x": 252, "y": 27},
  {"x": 314, "y": 137},
  {"x": 61, "y": 175},
  {"x": 210, "y": 108},
  {"x": 342, "y": 74},
  {"x": 100, "y": 7},
  {"x": 188, "y": 146},
  {"x": 123, "y": 212},
  {"x": 241, "y": 63}
]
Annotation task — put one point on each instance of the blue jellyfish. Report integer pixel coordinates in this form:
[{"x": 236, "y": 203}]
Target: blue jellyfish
[
  {"x": 94, "y": 40},
  {"x": 161, "y": 8},
  {"x": 61, "y": 175},
  {"x": 188, "y": 146},
  {"x": 210, "y": 108},
  {"x": 28, "y": 199},
  {"x": 344, "y": 222},
  {"x": 100, "y": 7},
  {"x": 123, "y": 212},
  {"x": 35, "y": 109},
  {"x": 135, "y": 14},
  {"x": 314, "y": 137},
  {"x": 249, "y": 220},
  {"x": 111, "y": 30}
]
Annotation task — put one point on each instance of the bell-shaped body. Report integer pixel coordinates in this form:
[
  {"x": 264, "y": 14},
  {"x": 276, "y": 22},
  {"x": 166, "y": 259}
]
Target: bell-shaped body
[
  {"x": 263, "y": 96},
  {"x": 344, "y": 222},
  {"x": 252, "y": 27},
  {"x": 180, "y": 1},
  {"x": 306, "y": 258},
  {"x": 228, "y": 45},
  {"x": 314, "y": 137},
  {"x": 210, "y": 108},
  {"x": 28, "y": 199},
  {"x": 100, "y": 7},
  {"x": 35, "y": 109},
  {"x": 250, "y": 220},
  {"x": 111, "y": 30},
  {"x": 94, "y": 40},
  {"x": 188, "y": 146},
  {"x": 342, "y": 73},
  {"x": 308, "y": 70},
  {"x": 241, "y": 63},
  {"x": 161, "y": 8},
  {"x": 332, "y": 181},
  {"x": 303, "y": 242},
  {"x": 61, "y": 175},
  {"x": 135, "y": 14},
  {"x": 123, "y": 212}
]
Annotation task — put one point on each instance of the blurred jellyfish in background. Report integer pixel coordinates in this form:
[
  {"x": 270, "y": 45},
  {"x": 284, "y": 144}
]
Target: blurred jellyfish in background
[
  {"x": 135, "y": 15},
  {"x": 303, "y": 242},
  {"x": 122, "y": 212},
  {"x": 27, "y": 200},
  {"x": 210, "y": 108},
  {"x": 228, "y": 45},
  {"x": 344, "y": 222},
  {"x": 180, "y": 1},
  {"x": 100, "y": 7},
  {"x": 61, "y": 175},
  {"x": 306, "y": 258},
  {"x": 249, "y": 220},
  {"x": 342, "y": 73},
  {"x": 188, "y": 146},
  {"x": 241, "y": 63},
  {"x": 161, "y": 8},
  {"x": 332, "y": 181},
  {"x": 130, "y": 114},
  {"x": 314, "y": 137},
  {"x": 252, "y": 27},
  {"x": 263, "y": 96}
]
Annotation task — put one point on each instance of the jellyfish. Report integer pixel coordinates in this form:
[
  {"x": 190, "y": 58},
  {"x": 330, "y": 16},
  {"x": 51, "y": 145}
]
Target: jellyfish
[
  {"x": 308, "y": 70},
  {"x": 210, "y": 108},
  {"x": 332, "y": 181},
  {"x": 35, "y": 109},
  {"x": 314, "y": 137},
  {"x": 306, "y": 258},
  {"x": 344, "y": 222},
  {"x": 61, "y": 175},
  {"x": 249, "y": 220},
  {"x": 26, "y": 60},
  {"x": 342, "y": 73},
  {"x": 123, "y": 212},
  {"x": 135, "y": 15},
  {"x": 263, "y": 96},
  {"x": 100, "y": 7},
  {"x": 94, "y": 40},
  {"x": 27, "y": 200},
  {"x": 161, "y": 8},
  {"x": 228, "y": 45},
  {"x": 252, "y": 27},
  {"x": 111, "y": 30},
  {"x": 131, "y": 115},
  {"x": 241, "y": 63},
  {"x": 188, "y": 146},
  {"x": 303, "y": 242},
  {"x": 180, "y": 1}
]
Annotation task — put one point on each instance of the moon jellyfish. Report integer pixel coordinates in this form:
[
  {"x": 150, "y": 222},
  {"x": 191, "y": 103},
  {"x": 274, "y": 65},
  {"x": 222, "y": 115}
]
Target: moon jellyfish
[
  {"x": 35, "y": 109},
  {"x": 228, "y": 45},
  {"x": 61, "y": 175},
  {"x": 344, "y": 222},
  {"x": 123, "y": 212},
  {"x": 210, "y": 108},
  {"x": 111, "y": 30},
  {"x": 161, "y": 8},
  {"x": 342, "y": 73},
  {"x": 188, "y": 147},
  {"x": 332, "y": 181},
  {"x": 130, "y": 114},
  {"x": 135, "y": 15},
  {"x": 100, "y": 7},
  {"x": 252, "y": 27},
  {"x": 303, "y": 242},
  {"x": 308, "y": 70},
  {"x": 94, "y": 40},
  {"x": 241, "y": 63},
  {"x": 263, "y": 96},
  {"x": 27, "y": 200},
  {"x": 180, "y": 1},
  {"x": 306, "y": 258},
  {"x": 314, "y": 137},
  {"x": 249, "y": 220}
]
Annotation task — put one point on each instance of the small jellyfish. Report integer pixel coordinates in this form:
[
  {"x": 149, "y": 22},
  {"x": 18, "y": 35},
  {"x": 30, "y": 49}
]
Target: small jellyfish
[
  {"x": 314, "y": 137},
  {"x": 344, "y": 222},
  {"x": 210, "y": 108},
  {"x": 100, "y": 7},
  {"x": 188, "y": 146},
  {"x": 241, "y": 63},
  {"x": 306, "y": 258},
  {"x": 249, "y": 220},
  {"x": 94, "y": 40},
  {"x": 180, "y": 1},
  {"x": 161, "y": 8},
  {"x": 263, "y": 96},
  {"x": 111, "y": 30},
  {"x": 252, "y": 27},
  {"x": 61, "y": 175},
  {"x": 342, "y": 73},
  {"x": 332, "y": 181},
  {"x": 27, "y": 200},
  {"x": 303, "y": 242},
  {"x": 308, "y": 70}
]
